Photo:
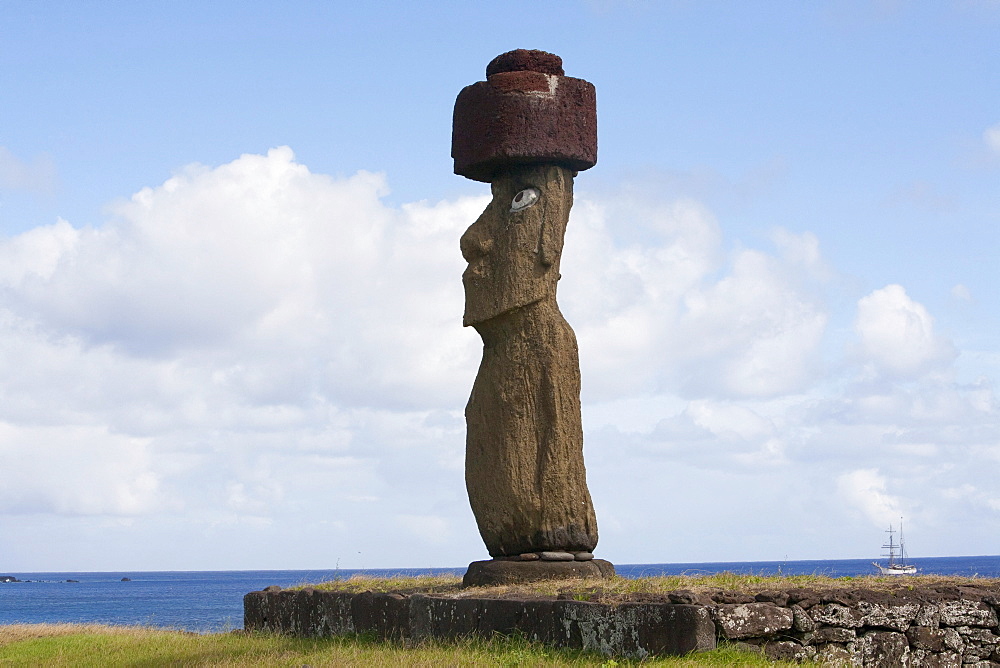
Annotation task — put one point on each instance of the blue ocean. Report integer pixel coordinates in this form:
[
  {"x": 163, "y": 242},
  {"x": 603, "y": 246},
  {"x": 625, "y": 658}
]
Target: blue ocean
[{"x": 212, "y": 601}]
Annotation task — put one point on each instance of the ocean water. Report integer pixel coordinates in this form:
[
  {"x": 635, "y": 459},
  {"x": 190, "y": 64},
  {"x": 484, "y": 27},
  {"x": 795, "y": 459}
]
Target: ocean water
[{"x": 212, "y": 601}]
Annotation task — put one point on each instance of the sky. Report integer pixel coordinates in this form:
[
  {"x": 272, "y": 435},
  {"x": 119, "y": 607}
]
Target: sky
[{"x": 231, "y": 302}]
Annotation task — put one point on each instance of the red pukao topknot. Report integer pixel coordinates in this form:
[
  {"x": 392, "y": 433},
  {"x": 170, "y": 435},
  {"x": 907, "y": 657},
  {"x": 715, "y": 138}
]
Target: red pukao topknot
[
  {"x": 530, "y": 60},
  {"x": 526, "y": 112}
]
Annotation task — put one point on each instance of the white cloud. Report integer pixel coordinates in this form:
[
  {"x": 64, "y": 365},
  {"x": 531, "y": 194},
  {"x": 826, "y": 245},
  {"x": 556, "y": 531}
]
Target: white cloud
[
  {"x": 992, "y": 138},
  {"x": 673, "y": 305},
  {"x": 961, "y": 292},
  {"x": 37, "y": 176},
  {"x": 897, "y": 334},
  {"x": 258, "y": 354},
  {"x": 865, "y": 489},
  {"x": 76, "y": 470}
]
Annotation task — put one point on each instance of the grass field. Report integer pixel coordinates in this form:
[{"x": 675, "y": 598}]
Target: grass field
[
  {"x": 87, "y": 645},
  {"x": 619, "y": 586}
]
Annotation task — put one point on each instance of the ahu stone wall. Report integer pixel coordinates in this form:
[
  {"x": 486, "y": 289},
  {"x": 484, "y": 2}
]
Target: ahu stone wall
[{"x": 902, "y": 625}]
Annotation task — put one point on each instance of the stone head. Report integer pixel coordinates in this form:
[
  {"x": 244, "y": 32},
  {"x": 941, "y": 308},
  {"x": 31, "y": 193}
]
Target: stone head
[{"x": 513, "y": 249}]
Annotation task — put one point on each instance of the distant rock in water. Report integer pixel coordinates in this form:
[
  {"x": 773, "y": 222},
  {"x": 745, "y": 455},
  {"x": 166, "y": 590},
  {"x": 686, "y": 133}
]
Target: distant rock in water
[
  {"x": 126, "y": 579},
  {"x": 72, "y": 580},
  {"x": 8, "y": 578}
]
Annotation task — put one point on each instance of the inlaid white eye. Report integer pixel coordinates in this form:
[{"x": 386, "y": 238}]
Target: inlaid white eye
[{"x": 524, "y": 199}]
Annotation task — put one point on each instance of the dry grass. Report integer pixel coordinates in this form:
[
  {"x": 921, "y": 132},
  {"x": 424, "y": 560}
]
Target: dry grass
[
  {"x": 619, "y": 586},
  {"x": 12, "y": 633}
]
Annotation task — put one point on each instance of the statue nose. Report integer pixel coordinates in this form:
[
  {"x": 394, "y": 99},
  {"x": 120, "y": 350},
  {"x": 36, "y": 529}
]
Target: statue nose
[{"x": 474, "y": 244}]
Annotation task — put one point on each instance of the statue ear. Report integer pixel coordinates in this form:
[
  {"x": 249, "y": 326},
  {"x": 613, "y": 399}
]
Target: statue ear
[{"x": 557, "y": 204}]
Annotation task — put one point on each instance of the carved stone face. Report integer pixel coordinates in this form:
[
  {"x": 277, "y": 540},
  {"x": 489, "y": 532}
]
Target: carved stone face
[{"x": 513, "y": 249}]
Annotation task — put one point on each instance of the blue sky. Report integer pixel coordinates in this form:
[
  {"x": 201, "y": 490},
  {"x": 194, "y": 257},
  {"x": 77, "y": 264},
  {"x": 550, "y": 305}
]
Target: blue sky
[{"x": 230, "y": 297}]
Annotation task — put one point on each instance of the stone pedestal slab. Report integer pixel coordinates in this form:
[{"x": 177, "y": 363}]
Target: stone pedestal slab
[{"x": 499, "y": 572}]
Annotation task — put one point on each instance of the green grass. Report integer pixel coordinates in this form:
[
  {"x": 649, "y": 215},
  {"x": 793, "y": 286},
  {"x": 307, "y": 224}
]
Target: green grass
[{"x": 79, "y": 645}]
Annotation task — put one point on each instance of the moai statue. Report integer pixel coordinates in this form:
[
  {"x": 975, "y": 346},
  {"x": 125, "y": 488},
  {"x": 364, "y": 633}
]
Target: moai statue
[{"x": 526, "y": 130}]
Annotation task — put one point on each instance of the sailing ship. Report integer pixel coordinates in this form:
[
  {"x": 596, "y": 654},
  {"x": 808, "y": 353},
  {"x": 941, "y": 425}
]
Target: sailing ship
[{"x": 896, "y": 553}]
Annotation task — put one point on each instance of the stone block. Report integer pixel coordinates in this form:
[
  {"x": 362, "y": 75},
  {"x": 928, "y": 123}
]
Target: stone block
[
  {"x": 433, "y": 617},
  {"x": 883, "y": 648},
  {"x": 785, "y": 650},
  {"x": 382, "y": 615},
  {"x": 922, "y": 637},
  {"x": 967, "y": 613},
  {"x": 635, "y": 629},
  {"x": 893, "y": 617},
  {"x": 750, "y": 620},
  {"x": 499, "y": 572},
  {"x": 832, "y": 634},
  {"x": 801, "y": 621},
  {"x": 835, "y": 614}
]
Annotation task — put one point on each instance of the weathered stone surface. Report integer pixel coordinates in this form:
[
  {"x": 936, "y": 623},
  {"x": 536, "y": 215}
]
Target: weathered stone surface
[
  {"x": 785, "y": 650},
  {"x": 495, "y": 572},
  {"x": 305, "y": 613},
  {"x": 382, "y": 615},
  {"x": 637, "y": 629},
  {"x": 920, "y": 658},
  {"x": 967, "y": 613},
  {"x": 804, "y": 597},
  {"x": 640, "y": 624},
  {"x": 526, "y": 112},
  {"x": 524, "y": 447},
  {"x": 953, "y": 641},
  {"x": 827, "y": 634},
  {"x": 929, "y": 615},
  {"x": 894, "y": 617},
  {"x": 750, "y": 620},
  {"x": 801, "y": 621},
  {"x": 922, "y": 637},
  {"x": 433, "y": 617},
  {"x": 629, "y": 629},
  {"x": 583, "y": 556},
  {"x": 530, "y": 60},
  {"x": 835, "y": 614},
  {"x": 731, "y": 597},
  {"x": 777, "y": 597},
  {"x": 833, "y": 655},
  {"x": 883, "y": 648},
  {"x": 687, "y": 596},
  {"x": 556, "y": 556}
]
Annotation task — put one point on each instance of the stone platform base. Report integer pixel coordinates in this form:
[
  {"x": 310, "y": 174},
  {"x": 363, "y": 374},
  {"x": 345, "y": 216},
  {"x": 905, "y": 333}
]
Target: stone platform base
[
  {"x": 500, "y": 572},
  {"x": 633, "y": 630},
  {"x": 912, "y": 623}
]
